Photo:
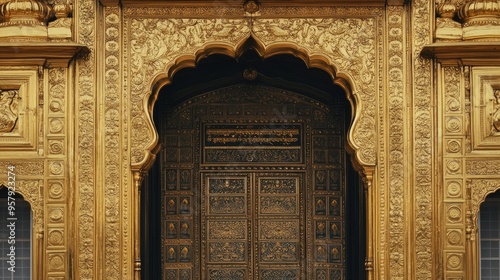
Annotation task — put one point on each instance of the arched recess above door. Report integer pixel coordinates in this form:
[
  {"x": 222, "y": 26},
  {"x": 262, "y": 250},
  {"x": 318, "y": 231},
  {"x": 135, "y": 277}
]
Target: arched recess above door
[{"x": 155, "y": 57}]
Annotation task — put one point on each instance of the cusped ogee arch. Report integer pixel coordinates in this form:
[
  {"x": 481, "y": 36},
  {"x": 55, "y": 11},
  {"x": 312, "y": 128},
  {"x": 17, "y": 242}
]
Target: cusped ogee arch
[
  {"x": 159, "y": 47},
  {"x": 32, "y": 192},
  {"x": 361, "y": 135},
  {"x": 352, "y": 69},
  {"x": 477, "y": 192}
]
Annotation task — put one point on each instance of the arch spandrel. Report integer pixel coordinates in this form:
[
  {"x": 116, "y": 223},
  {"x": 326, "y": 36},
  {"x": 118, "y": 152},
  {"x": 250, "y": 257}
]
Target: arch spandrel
[
  {"x": 480, "y": 189},
  {"x": 343, "y": 47},
  {"x": 32, "y": 192}
]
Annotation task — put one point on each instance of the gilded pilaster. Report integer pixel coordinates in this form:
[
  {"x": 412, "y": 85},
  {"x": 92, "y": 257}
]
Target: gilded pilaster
[
  {"x": 111, "y": 156},
  {"x": 452, "y": 110},
  {"x": 399, "y": 259},
  {"x": 86, "y": 129},
  {"x": 481, "y": 19},
  {"x": 58, "y": 163},
  {"x": 422, "y": 15},
  {"x": 380, "y": 177}
]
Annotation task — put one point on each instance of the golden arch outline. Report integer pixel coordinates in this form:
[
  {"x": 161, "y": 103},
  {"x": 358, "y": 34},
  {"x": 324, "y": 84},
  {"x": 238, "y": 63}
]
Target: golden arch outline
[
  {"x": 361, "y": 138},
  {"x": 320, "y": 61},
  {"x": 31, "y": 191},
  {"x": 26, "y": 190},
  {"x": 477, "y": 192}
]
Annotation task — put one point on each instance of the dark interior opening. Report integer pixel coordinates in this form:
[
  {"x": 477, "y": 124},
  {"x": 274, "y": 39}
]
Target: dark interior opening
[{"x": 216, "y": 71}]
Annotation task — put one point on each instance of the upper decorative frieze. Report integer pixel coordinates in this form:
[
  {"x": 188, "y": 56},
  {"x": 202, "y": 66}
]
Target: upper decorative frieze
[{"x": 446, "y": 26}]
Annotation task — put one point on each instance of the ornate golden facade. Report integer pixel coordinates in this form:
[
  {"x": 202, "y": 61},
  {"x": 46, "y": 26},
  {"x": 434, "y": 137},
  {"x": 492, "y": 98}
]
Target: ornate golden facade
[{"x": 79, "y": 80}]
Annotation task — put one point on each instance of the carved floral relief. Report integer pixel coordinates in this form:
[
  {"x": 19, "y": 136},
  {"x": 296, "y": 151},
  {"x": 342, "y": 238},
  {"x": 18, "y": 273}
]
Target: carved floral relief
[{"x": 155, "y": 44}]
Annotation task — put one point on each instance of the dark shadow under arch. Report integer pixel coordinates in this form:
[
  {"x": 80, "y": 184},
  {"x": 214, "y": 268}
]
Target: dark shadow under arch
[
  {"x": 18, "y": 212},
  {"x": 283, "y": 71}
]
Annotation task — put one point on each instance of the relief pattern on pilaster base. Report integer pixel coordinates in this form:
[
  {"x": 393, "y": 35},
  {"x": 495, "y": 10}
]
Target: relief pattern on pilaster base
[{"x": 113, "y": 249}]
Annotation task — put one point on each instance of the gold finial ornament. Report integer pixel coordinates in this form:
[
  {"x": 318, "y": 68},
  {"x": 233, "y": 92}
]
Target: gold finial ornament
[
  {"x": 446, "y": 9},
  {"x": 446, "y": 27},
  {"x": 23, "y": 19},
  {"x": 480, "y": 10},
  {"x": 24, "y": 12},
  {"x": 61, "y": 10},
  {"x": 61, "y": 27},
  {"x": 481, "y": 19}
]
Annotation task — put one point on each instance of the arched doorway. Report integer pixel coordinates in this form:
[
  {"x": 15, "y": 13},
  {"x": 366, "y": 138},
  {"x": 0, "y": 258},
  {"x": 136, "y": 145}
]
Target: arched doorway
[
  {"x": 489, "y": 237},
  {"x": 253, "y": 180}
]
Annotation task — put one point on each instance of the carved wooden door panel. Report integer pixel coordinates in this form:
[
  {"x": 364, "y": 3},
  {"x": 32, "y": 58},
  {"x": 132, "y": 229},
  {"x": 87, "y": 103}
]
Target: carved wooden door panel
[
  {"x": 253, "y": 184},
  {"x": 253, "y": 224}
]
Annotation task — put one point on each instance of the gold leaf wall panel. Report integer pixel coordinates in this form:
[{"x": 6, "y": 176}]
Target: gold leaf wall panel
[{"x": 425, "y": 135}]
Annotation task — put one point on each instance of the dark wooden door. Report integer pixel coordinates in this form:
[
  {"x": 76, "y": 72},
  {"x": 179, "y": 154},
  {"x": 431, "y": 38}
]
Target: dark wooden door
[{"x": 253, "y": 186}]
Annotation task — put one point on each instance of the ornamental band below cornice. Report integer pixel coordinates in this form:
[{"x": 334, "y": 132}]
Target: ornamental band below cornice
[
  {"x": 482, "y": 167},
  {"x": 24, "y": 168},
  {"x": 238, "y": 12}
]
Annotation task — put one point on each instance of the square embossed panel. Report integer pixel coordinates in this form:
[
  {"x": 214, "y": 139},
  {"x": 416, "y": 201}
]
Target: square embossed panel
[
  {"x": 485, "y": 95},
  {"x": 18, "y": 109}
]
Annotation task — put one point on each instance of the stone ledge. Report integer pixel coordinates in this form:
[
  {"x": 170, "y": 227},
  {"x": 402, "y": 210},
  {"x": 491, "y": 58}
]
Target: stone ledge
[
  {"x": 41, "y": 54},
  {"x": 464, "y": 53}
]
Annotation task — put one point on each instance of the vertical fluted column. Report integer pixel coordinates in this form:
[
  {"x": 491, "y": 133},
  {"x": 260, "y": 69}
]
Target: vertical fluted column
[
  {"x": 138, "y": 178},
  {"x": 368, "y": 182},
  {"x": 446, "y": 27}
]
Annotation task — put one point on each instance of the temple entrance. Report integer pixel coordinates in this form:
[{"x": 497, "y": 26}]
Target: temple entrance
[{"x": 252, "y": 180}]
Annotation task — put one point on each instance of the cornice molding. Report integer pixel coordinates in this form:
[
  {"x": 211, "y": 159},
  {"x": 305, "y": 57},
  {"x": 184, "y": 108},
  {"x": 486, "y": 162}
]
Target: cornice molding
[
  {"x": 464, "y": 53},
  {"x": 40, "y": 54},
  {"x": 264, "y": 3}
]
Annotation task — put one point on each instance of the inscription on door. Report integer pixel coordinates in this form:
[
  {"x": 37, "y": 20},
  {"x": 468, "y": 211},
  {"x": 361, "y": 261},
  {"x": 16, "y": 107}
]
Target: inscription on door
[{"x": 253, "y": 184}]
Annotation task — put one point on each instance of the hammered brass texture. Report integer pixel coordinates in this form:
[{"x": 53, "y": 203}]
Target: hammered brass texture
[{"x": 255, "y": 192}]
